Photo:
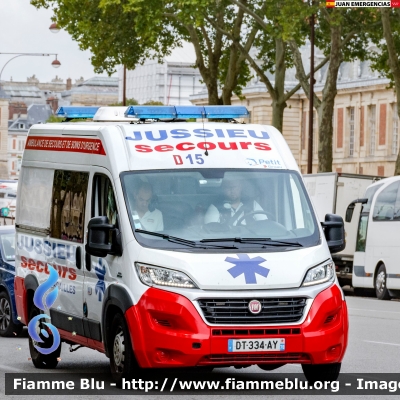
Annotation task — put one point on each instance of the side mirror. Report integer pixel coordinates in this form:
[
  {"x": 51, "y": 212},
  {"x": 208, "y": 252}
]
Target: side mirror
[
  {"x": 349, "y": 212},
  {"x": 334, "y": 232},
  {"x": 351, "y": 207},
  {"x": 103, "y": 238}
]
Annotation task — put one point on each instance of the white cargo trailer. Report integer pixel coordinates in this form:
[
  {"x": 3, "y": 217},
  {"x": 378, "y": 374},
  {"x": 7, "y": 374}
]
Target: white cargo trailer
[{"x": 331, "y": 193}]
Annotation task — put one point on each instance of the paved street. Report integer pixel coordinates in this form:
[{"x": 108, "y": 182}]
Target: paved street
[{"x": 374, "y": 346}]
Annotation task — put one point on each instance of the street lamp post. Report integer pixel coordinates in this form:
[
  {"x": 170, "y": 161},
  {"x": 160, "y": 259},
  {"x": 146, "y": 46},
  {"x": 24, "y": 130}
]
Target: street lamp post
[
  {"x": 311, "y": 98},
  {"x": 56, "y": 63}
]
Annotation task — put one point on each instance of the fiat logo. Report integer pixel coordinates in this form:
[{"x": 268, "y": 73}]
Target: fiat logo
[{"x": 255, "y": 307}]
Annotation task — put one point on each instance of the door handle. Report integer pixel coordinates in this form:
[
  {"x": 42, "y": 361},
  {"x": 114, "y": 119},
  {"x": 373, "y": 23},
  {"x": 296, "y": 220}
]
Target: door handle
[
  {"x": 88, "y": 261},
  {"x": 78, "y": 257}
]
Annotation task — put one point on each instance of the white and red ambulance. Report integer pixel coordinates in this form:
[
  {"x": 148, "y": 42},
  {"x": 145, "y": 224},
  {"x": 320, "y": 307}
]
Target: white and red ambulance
[{"x": 177, "y": 243}]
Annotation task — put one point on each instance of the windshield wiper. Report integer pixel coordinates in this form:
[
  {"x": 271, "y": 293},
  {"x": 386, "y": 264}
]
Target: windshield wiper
[
  {"x": 178, "y": 240},
  {"x": 267, "y": 241}
]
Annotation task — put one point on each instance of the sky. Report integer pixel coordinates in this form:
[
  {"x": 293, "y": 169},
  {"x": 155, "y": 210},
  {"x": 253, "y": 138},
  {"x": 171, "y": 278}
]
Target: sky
[{"x": 24, "y": 29}]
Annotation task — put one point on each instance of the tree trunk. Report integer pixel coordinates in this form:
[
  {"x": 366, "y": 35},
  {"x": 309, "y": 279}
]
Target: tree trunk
[
  {"x": 325, "y": 110},
  {"x": 394, "y": 64},
  {"x": 231, "y": 77},
  {"x": 209, "y": 73},
  {"x": 212, "y": 88},
  {"x": 278, "y": 103},
  {"x": 278, "y": 109}
]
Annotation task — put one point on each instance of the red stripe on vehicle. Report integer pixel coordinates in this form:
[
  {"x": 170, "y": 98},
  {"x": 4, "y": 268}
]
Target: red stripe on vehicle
[{"x": 73, "y": 145}]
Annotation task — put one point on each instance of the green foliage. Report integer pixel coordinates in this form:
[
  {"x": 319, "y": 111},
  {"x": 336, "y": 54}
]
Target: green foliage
[
  {"x": 115, "y": 31},
  {"x": 378, "y": 54},
  {"x": 53, "y": 119},
  {"x": 153, "y": 103},
  {"x": 129, "y": 31},
  {"x": 129, "y": 102}
]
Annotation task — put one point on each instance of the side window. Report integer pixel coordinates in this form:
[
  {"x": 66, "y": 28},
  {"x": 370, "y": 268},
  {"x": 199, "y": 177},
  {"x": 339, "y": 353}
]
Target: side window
[
  {"x": 362, "y": 233},
  {"x": 369, "y": 194},
  {"x": 396, "y": 216},
  {"x": 34, "y": 203},
  {"x": 68, "y": 205},
  {"x": 384, "y": 209},
  {"x": 103, "y": 202}
]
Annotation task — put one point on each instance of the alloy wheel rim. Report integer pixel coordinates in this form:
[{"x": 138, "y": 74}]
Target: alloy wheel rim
[
  {"x": 119, "y": 350},
  {"x": 381, "y": 281},
  {"x": 5, "y": 314}
]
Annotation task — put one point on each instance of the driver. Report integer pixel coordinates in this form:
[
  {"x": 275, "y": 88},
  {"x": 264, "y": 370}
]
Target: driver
[
  {"x": 233, "y": 207},
  {"x": 144, "y": 215}
]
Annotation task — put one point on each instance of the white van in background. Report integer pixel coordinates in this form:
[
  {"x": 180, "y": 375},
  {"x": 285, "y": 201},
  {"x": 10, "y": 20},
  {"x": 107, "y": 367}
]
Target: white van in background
[
  {"x": 377, "y": 255},
  {"x": 331, "y": 193},
  {"x": 177, "y": 244}
]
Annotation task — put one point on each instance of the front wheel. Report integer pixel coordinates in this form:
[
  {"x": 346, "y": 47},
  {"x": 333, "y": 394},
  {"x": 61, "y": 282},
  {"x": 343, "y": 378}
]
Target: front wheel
[
  {"x": 321, "y": 372},
  {"x": 122, "y": 360},
  {"x": 269, "y": 367},
  {"x": 382, "y": 292},
  {"x": 42, "y": 361}
]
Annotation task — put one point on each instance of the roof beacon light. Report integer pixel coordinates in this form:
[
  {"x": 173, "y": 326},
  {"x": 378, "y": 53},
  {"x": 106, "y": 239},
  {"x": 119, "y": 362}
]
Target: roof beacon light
[
  {"x": 112, "y": 114},
  {"x": 190, "y": 112},
  {"x": 226, "y": 112},
  {"x": 76, "y": 112},
  {"x": 186, "y": 112},
  {"x": 151, "y": 112}
]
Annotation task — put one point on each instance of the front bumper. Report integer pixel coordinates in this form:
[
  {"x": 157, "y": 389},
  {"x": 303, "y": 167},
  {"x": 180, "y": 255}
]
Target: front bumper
[{"x": 167, "y": 331}]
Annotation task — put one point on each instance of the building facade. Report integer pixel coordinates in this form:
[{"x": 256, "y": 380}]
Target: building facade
[
  {"x": 4, "y": 101},
  {"x": 96, "y": 91},
  {"x": 170, "y": 83},
  {"x": 18, "y": 132},
  {"x": 365, "y": 121}
]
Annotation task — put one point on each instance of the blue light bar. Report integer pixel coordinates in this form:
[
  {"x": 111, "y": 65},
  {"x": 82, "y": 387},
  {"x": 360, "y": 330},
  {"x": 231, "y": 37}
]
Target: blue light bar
[
  {"x": 190, "y": 112},
  {"x": 185, "y": 112},
  {"x": 151, "y": 112},
  {"x": 76, "y": 112},
  {"x": 226, "y": 112}
]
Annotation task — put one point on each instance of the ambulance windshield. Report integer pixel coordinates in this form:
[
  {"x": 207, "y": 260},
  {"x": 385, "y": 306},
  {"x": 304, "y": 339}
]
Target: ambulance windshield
[{"x": 214, "y": 209}]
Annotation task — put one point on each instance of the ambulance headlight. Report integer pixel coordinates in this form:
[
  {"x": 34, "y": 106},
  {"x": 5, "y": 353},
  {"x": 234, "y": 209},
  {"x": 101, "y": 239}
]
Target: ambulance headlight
[
  {"x": 151, "y": 275},
  {"x": 320, "y": 274}
]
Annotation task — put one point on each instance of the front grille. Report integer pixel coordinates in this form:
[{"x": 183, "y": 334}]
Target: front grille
[
  {"x": 255, "y": 358},
  {"x": 255, "y": 332},
  {"x": 236, "y": 311}
]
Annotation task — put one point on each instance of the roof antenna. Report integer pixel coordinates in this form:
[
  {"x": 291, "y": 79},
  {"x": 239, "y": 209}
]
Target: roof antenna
[{"x": 205, "y": 141}]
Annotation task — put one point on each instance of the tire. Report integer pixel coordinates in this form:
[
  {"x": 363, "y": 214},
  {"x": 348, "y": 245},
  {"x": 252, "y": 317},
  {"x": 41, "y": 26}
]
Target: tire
[
  {"x": 382, "y": 292},
  {"x": 269, "y": 367},
  {"x": 7, "y": 326},
  {"x": 123, "y": 363},
  {"x": 42, "y": 361},
  {"x": 321, "y": 372}
]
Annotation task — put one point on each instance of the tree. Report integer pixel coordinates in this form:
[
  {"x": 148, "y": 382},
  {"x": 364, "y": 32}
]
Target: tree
[
  {"x": 341, "y": 35},
  {"x": 113, "y": 33},
  {"x": 387, "y": 59},
  {"x": 270, "y": 54},
  {"x": 129, "y": 31}
]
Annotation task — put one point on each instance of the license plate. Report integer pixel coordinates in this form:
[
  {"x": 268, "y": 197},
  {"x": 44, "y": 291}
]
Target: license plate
[{"x": 248, "y": 345}]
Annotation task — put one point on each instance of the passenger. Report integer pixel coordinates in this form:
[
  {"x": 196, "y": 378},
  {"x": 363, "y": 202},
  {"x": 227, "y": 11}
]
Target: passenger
[
  {"x": 144, "y": 216},
  {"x": 232, "y": 209}
]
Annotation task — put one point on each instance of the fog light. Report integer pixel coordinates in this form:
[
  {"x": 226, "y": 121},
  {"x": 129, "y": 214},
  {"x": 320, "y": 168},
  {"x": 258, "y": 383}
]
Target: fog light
[
  {"x": 334, "y": 351},
  {"x": 162, "y": 355}
]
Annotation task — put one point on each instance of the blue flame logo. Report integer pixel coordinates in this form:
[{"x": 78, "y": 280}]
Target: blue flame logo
[
  {"x": 100, "y": 271},
  {"x": 43, "y": 302}
]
